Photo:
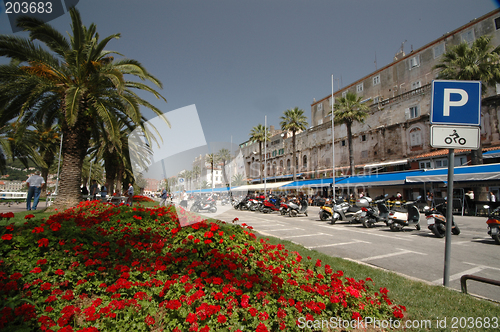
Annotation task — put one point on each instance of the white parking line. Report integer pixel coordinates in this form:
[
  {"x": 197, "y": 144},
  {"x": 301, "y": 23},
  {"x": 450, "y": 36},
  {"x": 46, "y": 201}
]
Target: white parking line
[
  {"x": 461, "y": 242},
  {"x": 483, "y": 266},
  {"x": 303, "y": 235},
  {"x": 280, "y": 229},
  {"x": 366, "y": 232},
  {"x": 401, "y": 252},
  {"x": 459, "y": 275},
  {"x": 337, "y": 244}
]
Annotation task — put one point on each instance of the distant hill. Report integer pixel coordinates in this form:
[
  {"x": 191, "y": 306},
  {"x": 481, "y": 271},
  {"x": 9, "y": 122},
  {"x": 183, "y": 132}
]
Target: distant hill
[{"x": 16, "y": 171}]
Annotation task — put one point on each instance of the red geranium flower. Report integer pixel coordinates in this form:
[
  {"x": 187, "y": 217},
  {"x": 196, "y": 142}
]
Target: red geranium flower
[
  {"x": 43, "y": 242},
  {"x": 7, "y": 237}
]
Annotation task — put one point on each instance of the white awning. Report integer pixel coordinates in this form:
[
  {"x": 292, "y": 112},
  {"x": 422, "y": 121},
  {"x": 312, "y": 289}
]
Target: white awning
[
  {"x": 260, "y": 186},
  {"x": 387, "y": 163}
]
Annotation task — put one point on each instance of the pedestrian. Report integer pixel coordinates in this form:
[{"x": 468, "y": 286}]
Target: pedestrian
[
  {"x": 35, "y": 184},
  {"x": 85, "y": 191},
  {"x": 130, "y": 194},
  {"x": 492, "y": 197},
  {"x": 93, "y": 190},
  {"x": 184, "y": 198},
  {"x": 163, "y": 197},
  {"x": 429, "y": 199},
  {"x": 104, "y": 191}
]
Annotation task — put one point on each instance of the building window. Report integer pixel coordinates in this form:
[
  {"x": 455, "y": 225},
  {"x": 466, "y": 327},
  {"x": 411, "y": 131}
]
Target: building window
[
  {"x": 376, "y": 80},
  {"x": 425, "y": 164},
  {"x": 413, "y": 112},
  {"x": 342, "y": 143},
  {"x": 304, "y": 161},
  {"x": 359, "y": 88},
  {"x": 331, "y": 101},
  {"x": 364, "y": 154},
  {"x": 497, "y": 23},
  {"x": 377, "y": 100},
  {"x": 467, "y": 36},
  {"x": 319, "y": 107},
  {"x": 344, "y": 94},
  {"x": 414, "y": 62},
  {"x": 363, "y": 138},
  {"x": 438, "y": 50},
  {"x": 441, "y": 163},
  {"x": 416, "y": 137},
  {"x": 320, "y": 121},
  {"x": 415, "y": 85}
]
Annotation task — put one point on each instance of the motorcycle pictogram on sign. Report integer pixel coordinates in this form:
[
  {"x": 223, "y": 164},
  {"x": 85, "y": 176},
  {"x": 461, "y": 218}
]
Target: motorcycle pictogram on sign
[{"x": 456, "y": 136}]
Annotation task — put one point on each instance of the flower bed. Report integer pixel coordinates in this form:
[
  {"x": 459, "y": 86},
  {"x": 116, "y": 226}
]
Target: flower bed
[
  {"x": 139, "y": 199},
  {"x": 99, "y": 268}
]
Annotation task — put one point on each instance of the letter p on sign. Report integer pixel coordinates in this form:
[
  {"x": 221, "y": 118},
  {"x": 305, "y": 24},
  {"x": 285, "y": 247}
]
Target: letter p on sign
[{"x": 447, "y": 102}]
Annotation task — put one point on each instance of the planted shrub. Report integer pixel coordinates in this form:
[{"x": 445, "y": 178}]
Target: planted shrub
[{"x": 99, "y": 267}]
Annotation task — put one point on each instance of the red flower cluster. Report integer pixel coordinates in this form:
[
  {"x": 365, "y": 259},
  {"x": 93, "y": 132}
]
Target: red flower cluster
[{"x": 100, "y": 264}]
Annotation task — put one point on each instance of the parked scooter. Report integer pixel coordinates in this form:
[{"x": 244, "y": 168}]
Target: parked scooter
[
  {"x": 374, "y": 215},
  {"x": 341, "y": 210},
  {"x": 436, "y": 221},
  {"x": 284, "y": 208},
  {"x": 242, "y": 204},
  {"x": 271, "y": 205},
  {"x": 224, "y": 201},
  {"x": 204, "y": 205},
  {"x": 399, "y": 219},
  {"x": 295, "y": 209},
  {"x": 494, "y": 224}
]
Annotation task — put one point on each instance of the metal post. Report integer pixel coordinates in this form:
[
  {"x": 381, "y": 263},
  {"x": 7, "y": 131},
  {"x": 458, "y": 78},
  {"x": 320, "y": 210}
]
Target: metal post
[
  {"x": 265, "y": 154},
  {"x": 333, "y": 149},
  {"x": 449, "y": 217}
]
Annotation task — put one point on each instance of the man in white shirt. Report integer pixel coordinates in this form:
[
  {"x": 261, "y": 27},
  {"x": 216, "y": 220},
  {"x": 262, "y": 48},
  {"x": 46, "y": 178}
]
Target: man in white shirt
[
  {"x": 130, "y": 194},
  {"x": 34, "y": 184}
]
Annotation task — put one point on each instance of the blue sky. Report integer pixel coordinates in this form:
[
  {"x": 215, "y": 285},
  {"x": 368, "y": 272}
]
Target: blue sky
[{"x": 240, "y": 60}]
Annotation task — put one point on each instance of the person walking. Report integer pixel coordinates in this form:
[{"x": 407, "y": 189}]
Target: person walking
[
  {"x": 34, "y": 184},
  {"x": 184, "y": 199},
  {"x": 104, "y": 191},
  {"x": 130, "y": 194},
  {"x": 163, "y": 197},
  {"x": 94, "y": 189}
]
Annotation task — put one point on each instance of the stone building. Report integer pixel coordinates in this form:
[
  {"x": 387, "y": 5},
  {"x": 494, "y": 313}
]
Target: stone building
[
  {"x": 397, "y": 130},
  {"x": 396, "y": 134}
]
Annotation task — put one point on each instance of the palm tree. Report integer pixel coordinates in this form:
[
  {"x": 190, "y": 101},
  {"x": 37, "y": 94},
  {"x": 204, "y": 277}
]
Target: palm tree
[
  {"x": 197, "y": 173},
  {"x": 212, "y": 159},
  {"x": 479, "y": 62},
  {"x": 224, "y": 155},
  {"x": 294, "y": 120},
  {"x": 259, "y": 134},
  {"x": 350, "y": 109},
  {"x": 86, "y": 81},
  {"x": 238, "y": 180}
]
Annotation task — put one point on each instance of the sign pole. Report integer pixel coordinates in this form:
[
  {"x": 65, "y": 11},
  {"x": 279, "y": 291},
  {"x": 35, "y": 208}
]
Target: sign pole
[{"x": 449, "y": 217}]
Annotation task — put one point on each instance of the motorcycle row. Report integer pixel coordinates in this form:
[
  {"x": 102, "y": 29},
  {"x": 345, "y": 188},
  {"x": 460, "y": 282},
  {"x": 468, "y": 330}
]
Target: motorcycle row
[
  {"x": 369, "y": 212},
  {"x": 366, "y": 211},
  {"x": 291, "y": 208}
]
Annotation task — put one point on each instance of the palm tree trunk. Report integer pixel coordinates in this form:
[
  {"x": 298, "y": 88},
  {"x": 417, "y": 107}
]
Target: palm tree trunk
[
  {"x": 351, "y": 157},
  {"x": 224, "y": 175},
  {"x": 110, "y": 167},
  {"x": 74, "y": 147}
]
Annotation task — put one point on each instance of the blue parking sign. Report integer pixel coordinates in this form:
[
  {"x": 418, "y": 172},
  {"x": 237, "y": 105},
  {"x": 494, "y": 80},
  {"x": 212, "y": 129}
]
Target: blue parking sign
[{"x": 456, "y": 103}]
